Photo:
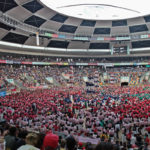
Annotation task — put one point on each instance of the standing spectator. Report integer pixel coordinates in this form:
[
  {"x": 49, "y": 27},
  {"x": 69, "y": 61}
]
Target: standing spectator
[
  {"x": 50, "y": 141},
  {"x": 21, "y": 141},
  {"x": 62, "y": 145},
  {"x": 104, "y": 146},
  {"x": 31, "y": 141},
  {"x": 147, "y": 139},
  {"x": 133, "y": 139},
  {"x": 11, "y": 138},
  {"x": 71, "y": 143}
]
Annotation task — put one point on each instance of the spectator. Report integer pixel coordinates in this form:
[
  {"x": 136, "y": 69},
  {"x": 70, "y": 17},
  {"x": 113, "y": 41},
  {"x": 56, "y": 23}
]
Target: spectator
[
  {"x": 104, "y": 146},
  {"x": 50, "y": 141},
  {"x": 31, "y": 141},
  {"x": 11, "y": 138},
  {"x": 62, "y": 145},
  {"x": 88, "y": 146},
  {"x": 71, "y": 143},
  {"x": 21, "y": 139}
]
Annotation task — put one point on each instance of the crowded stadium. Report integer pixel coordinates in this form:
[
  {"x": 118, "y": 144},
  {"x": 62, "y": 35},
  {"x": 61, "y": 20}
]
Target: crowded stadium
[{"x": 74, "y": 75}]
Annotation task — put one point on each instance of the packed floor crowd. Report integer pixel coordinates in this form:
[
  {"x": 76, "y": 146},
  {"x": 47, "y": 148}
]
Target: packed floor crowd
[{"x": 118, "y": 115}]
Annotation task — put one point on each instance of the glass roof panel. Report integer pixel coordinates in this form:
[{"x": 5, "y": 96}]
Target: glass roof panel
[{"x": 100, "y": 9}]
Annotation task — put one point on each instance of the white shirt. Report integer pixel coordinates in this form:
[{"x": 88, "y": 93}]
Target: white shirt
[
  {"x": 133, "y": 140},
  {"x": 28, "y": 147}
]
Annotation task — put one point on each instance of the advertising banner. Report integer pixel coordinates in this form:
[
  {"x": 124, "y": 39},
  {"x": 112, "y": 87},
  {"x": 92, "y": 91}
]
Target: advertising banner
[
  {"x": 50, "y": 79},
  {"x": 2, "y": 61}
]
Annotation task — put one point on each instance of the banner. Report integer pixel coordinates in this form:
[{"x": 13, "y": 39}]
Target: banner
[
  {"x": 10, "y": 81},
  {"x": 26, "y": 63},
  {"x": 50, "y": 79},
  {"x": 2, "y": 61},
  {"x": 92, "y": 38},
  {"x": 85, "y": 79},
  {"x": 92, "y": 64},
  {"x": 66, "y": 76},
  {"x": 65, "y": 64},
  {"x": 125, "y": 79},
  {"x": 100, "y": 39},
  {"x": 144, "y": 36},
  {"x": 38, "y": 63},
  {"x": 148, "y": 66},
  {"x": 81, "y": 38},
  {"x": 81, "y": 64},
  {"x": 75, "y": 64},
  {"x": 9, "y": 62},
  {"x": 105, "y": 76},
  {"x": 16, "y": 62},
  {"x": 87, "y": 139},
  {"x": 3, "y": 94}
]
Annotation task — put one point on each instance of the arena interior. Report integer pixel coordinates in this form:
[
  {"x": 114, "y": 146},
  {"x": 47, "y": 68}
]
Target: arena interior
[{"x": 74, "y": 75}]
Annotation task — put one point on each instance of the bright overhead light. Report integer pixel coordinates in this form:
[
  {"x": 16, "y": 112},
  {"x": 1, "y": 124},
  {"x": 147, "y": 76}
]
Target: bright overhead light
[{"x": 100, "y": 9}]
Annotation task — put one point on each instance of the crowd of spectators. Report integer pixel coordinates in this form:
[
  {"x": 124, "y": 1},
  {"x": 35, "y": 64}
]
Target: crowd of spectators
[
  {"x": 34, "y": 75},
  {"x": 119, "y": 115},
  {"x": 61, "y": 117},
  {"x": 30, "y": 58},
  {"x": 134, "y": 74}
]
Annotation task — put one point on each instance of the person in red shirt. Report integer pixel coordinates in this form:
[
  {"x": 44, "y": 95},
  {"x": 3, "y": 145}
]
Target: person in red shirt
[{"x": 147, "y": 139}]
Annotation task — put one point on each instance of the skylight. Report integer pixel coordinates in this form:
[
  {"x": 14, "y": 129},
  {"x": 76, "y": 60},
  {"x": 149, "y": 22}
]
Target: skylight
[{"x": 100, "y": 9}]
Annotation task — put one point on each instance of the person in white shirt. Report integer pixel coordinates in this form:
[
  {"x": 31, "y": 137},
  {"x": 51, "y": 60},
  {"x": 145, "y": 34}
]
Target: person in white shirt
[
  {"x": 31, "y": 141},
  {"x": 133, "y": 139}
]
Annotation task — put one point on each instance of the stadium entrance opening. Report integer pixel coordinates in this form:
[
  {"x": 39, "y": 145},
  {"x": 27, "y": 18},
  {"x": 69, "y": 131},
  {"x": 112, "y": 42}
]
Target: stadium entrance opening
[{"x": 124, "y": 84}]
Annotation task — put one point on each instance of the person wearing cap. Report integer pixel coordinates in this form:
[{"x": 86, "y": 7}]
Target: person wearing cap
[
  {"x": 50, "y": 141},
  {"x": 31, "y": 142}
]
